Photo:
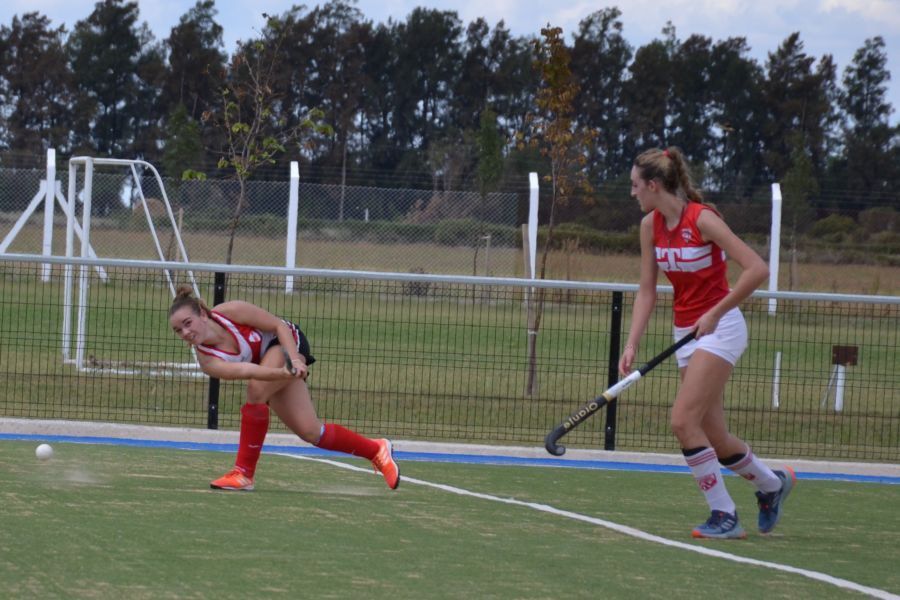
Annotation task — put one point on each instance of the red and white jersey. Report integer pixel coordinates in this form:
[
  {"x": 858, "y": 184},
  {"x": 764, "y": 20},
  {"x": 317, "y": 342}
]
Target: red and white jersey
[
  {"x": 250, "y": 341},
  {"x": 696, "y": 269}
]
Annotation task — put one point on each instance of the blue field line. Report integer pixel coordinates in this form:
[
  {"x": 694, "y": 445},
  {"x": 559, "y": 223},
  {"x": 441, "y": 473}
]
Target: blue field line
[{"x": 477, "y": 459}]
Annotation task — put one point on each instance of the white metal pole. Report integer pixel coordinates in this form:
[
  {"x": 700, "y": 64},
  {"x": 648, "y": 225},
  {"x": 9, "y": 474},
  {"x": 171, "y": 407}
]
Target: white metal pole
[
  {"x": 176, "y": 228},
  {"x": 17, "y": 227},
  {"x": 143, "y": 199},
  {"x": 49, "y": 202},
  {"x": 159, "y": 251},
  {"x": 532, "y": 223},
  {"x": 776, "y": 382},
  {"x": 69, "y": 209},
  {"x": 290, "y": 252},
  {"x": 774, "y": 245},
  {"x": 83, "y": 279},
  {"x": 62, "y": 202},
  {"x": 841, "y": 371},
  {"x": 531, "y": 245}
]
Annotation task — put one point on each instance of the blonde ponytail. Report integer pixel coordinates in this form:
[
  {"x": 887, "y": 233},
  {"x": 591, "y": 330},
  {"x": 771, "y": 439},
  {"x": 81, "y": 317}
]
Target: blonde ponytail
[{"x": 669, "y": 168}]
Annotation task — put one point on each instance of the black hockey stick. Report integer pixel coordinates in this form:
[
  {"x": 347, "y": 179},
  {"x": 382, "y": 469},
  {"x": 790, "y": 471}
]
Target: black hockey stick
[
  {"x": 575, "y": 419},
  {"x": 287, "y": 361}
]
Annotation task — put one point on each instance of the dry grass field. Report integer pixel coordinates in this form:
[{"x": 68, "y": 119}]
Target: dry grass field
[{"x": 210, "y": 247}]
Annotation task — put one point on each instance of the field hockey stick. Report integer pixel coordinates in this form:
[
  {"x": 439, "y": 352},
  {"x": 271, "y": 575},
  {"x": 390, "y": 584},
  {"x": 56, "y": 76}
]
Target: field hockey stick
[
  {"x": 288, "y": 364},
  {"x": 575, "y": 419}
]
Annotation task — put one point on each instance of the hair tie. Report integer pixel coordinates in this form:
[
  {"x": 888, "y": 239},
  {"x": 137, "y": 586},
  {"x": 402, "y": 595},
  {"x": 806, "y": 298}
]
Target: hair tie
[{"x": 666, "y": 153}]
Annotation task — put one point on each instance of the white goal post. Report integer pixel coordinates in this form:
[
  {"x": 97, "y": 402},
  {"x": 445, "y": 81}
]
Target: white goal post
[
  {"x": 80, "y": 307},
  {"x": 49, "y": 192}
]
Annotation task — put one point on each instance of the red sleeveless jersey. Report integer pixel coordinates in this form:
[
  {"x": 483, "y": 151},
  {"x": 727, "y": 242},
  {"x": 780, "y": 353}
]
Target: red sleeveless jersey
[
  {"x": 250, "y": 341},
  {"x": 696, "y": 269}
]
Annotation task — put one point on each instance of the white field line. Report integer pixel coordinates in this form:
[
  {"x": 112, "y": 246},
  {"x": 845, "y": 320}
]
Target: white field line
[{"x": 624, "y": 529}]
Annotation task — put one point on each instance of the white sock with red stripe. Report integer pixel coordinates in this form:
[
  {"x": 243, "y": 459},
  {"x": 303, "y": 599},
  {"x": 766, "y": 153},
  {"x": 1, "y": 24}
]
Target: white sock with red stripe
[
  {"x": 753, "y": 470},
  {"x": 704, "y": 465}
]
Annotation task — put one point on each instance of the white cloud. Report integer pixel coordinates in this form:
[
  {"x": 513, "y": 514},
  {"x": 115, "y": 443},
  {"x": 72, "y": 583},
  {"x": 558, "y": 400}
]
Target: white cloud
[
  {"x": 837, "y": 27},
  {"x": 47, "y": 7},
  {"x": 883, "y": 12}
]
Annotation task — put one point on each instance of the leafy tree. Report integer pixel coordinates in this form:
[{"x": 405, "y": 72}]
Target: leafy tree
[
  {"x": 183, "y": 154},
  {"x": 690, "y": 115},
  {"x": 738, "y": 116},
  {"x": 451, "y": 160},
  {"x": 196, "y": 61},
  {"x": 36, "y": 86},
  {"x": 865, "y": 87},
  {"x": 406, "y": 99},
  {"x": 556, "y": 132},
  {"x": 647, "y": 94},
  {"x": 489, "y": 174},
  {"x": 146, "y": 108},
  {"x": 428, "y": 57},
  {"x": 490, "y": 153},
  {"x": 797, "y": 100},
  {"x": 490, "y": 73},
  {"x": 334, "y": 84},
  {"x": 254, "y": 132},
  {"x": 514, "y": 82},
  {"x": 380, "y": 98},
  {"x": 184, "y": 150},
  {"x": 473, "y": 87},
  {"x": 106, "y": 52},
  {"x": 798, "y": 186},
  {"x": 600, "y": 57},
  {"x": 870, "y": 161}
]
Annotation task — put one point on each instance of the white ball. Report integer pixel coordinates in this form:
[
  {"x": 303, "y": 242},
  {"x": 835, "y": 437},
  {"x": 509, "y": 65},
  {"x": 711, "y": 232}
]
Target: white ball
[{"x": 44, "y": 451}]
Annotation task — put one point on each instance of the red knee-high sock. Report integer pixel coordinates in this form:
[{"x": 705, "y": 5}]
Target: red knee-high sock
[
  {"x": 254, "y": 426},
  {"x": 342, "y": 439}
]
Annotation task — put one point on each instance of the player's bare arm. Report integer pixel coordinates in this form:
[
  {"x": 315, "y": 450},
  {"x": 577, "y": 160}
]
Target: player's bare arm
[
  {"x": 645, "y": 300},
  {"x": 254, "y": 316},
  {"x": 753, "y": 269},
  {"x": 218, "y": 368}
]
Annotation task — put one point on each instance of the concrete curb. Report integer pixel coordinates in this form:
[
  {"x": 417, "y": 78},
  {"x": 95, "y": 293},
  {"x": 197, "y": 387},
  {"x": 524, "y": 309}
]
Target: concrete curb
[{"x": 89, "y": 429}]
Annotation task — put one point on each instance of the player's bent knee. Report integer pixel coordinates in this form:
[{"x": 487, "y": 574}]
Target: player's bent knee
[
  {"x": 683, "y": 428},
  {"x": 258, "y": 392},
  {"x": 310, "y": 436}
]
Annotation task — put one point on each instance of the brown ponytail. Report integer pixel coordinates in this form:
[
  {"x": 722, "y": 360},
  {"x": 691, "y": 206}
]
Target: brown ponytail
[
  {"x": 184, "y": 296},
  {"x": 670, "y": 169}
]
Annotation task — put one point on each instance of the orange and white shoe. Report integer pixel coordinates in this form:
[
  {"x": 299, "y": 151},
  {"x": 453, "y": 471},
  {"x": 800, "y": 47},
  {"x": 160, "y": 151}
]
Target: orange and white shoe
[
  {"x": 384, "y": 462},
  {"x": 233, "y": 480}
]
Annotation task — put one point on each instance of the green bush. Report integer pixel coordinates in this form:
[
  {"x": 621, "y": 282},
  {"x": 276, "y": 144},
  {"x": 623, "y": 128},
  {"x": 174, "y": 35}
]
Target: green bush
[
  {"x": 457, "y": 232},
  {"x": 387, "y": 232},
  {"x": 592, "y": 240},
  {"x": 887, "y": 242},
  {"x": 879, "y": 219},
  {"x": 747, "y": 219},
  {"x": 833, "y": 228},
  {"x": 468, "y": 232}
]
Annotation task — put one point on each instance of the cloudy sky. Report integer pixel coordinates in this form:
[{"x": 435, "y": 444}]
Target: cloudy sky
[{"x": 836, "y": 27}]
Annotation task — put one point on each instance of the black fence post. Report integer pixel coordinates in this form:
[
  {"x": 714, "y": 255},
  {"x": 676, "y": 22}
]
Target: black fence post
[
  {"x": 615, "y": 339},
  {"x": 212, "y": 412}
]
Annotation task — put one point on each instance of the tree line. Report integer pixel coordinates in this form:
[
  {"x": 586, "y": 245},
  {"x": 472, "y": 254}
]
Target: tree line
[{"x": 414, "y": 102}]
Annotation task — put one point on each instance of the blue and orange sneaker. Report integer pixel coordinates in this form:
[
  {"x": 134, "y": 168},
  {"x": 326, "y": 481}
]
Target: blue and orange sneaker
[
  {"x": 770, "y": 503},
  {"x": 721, "y": 526}
]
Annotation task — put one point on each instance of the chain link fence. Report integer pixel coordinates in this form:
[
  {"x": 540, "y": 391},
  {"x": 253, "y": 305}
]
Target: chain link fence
[
  {"x": 450, "y": 358},
  {"x": 338, "y": 227},
  {"x": 420, "y": 230}
]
